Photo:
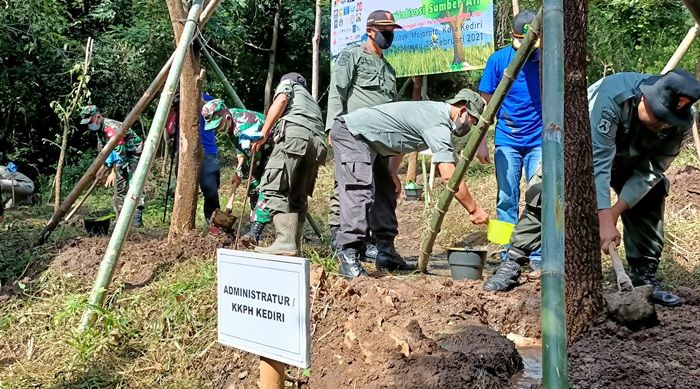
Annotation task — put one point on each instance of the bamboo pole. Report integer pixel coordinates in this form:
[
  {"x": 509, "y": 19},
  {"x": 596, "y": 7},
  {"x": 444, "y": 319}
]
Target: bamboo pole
[
  {"x": 681, "y": 49},
  {"x": 553, "y": 313},
  {"x": 316, "y": 51},
  {"x": 219, "y": 73},
  {"x": 129, "y": 121},
  {"x": 516, "y": 7},
  {"x": 150, "y": 146},
  {"x": 80, "y": 203},
  {"x": 475, "y": 138}
]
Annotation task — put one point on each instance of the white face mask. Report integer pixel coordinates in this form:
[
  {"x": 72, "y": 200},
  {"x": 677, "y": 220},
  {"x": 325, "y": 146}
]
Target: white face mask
[{"x": 93, "y": 126}]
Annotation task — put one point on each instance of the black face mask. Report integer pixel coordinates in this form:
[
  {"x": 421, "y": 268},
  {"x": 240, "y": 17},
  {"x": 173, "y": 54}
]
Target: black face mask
[
  {"x": 384, "y": 39},
  {"x": 462, "y": 127}
]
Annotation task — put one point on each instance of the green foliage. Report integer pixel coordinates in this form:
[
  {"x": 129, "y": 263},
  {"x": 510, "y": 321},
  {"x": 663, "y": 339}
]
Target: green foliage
[{"x": 441, "y": 9}]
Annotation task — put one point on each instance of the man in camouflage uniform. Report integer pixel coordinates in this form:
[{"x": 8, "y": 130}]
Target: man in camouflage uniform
[
  {"x": 362, "y": 77},
  {"x": 123, "y": 160},
  {"x": 295, "y": 123},
  {"x": 638, "y": 124},
  {"x": 245, "y": 126}
]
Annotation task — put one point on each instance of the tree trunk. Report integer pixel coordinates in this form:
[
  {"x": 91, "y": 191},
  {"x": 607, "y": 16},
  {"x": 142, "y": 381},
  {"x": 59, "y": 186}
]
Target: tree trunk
[
  {"x": 272, "y": 60},
  {"x": 457, "y": 38},
  {"x": 316, "y": 43},
  {"x": 583, "y": 268},
  {"x": 190, "y": 150}
]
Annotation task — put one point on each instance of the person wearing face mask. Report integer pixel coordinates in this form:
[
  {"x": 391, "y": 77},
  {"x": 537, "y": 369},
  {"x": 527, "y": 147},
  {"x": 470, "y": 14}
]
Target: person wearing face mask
[
  {"x": 365, "y": 136},
  {"x": 518, "y": 136},
  {"x": 638, "y": 124},
  {"x": 362, "y": 77},
  {"x": 123, "y": 160},
  {"x": 295, "y": 123}
]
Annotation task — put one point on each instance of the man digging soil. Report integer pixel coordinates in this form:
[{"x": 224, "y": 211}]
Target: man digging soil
[{"x": 638, "y": 124}]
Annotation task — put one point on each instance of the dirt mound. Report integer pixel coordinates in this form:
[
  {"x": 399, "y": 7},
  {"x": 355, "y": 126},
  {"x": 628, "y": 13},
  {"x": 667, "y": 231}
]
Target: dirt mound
[
  {"x": 141, "y": 258},
  {"x": 665, "y": 356},
  {"x": 685, "y": 187},
  {"x": 418, "y": 332}
]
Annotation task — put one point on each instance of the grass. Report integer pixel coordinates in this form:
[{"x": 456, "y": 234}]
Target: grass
[
  {"x": 164, "y": 334},
  {"x": 438, "y": 60}
]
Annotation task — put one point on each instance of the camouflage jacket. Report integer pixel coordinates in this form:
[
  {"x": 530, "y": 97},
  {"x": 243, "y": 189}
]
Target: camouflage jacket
[{"x": 128, "y": 149}]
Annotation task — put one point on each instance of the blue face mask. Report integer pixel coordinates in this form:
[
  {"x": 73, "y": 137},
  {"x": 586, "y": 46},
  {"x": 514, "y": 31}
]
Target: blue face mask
[{"x": 94, "y": 127}]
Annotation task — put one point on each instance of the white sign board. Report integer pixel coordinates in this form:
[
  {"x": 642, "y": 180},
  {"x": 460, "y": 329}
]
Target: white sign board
[{"x": 264, "y": 305}]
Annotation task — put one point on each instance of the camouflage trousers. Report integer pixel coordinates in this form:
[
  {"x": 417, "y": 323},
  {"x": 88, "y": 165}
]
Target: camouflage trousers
[{"x": 124, "y": 174}]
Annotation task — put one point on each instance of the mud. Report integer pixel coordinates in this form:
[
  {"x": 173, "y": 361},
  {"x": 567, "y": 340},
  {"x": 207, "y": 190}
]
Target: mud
[
  {"x": 141, "y": 259},
  {"x": 666, "y": 356},
  {"x": 418, "y": 332},
  {"x": 685, "y": 187}
]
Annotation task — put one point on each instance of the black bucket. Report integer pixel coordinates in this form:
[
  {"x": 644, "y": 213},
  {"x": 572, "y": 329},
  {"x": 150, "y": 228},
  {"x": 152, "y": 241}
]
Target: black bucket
[
  {"x": 413, "y": 194},
  {"x": 466, "y": 263},
  {"x": 97, "y": 226}
]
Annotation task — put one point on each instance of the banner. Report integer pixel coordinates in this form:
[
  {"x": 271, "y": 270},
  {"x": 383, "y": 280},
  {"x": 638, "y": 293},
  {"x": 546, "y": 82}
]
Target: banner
[{"x": 438, "y": 36}]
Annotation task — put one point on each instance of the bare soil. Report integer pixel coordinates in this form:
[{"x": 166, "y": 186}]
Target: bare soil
[
  {"x": 430, "y": 332},
  {"x": 685, "y": 187},
  {"x": 664, "y": 357},
  {"x": 141, "y": 259}
]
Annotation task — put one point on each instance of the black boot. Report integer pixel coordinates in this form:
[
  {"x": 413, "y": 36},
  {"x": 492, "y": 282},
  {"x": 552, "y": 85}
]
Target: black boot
[
  {"x": 505, "y": 278},
  {"x": 643, "y": 272},
  {"x": 350, "y": 265},
  {"x": 388, "y": 258},
  {"x": 252, "y": 237},
  {"x": 334, "y": 242}
]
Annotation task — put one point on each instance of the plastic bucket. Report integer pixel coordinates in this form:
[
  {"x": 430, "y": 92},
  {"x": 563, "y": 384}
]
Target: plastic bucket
[
  {"x": 413, "y": 194},
  {"x": 466, "y": 263},
  {"x": 499, "y": 232},
  {"x": 97, "y": 226}
]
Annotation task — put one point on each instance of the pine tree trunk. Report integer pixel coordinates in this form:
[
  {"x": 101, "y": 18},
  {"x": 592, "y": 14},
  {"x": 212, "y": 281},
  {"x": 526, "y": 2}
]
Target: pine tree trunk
[
  {"x": 584, "y": 298},
  {"x": 316, "y": 43},
  {"x": 190, "y": 150},
  {"x": 272, "y": 59}
]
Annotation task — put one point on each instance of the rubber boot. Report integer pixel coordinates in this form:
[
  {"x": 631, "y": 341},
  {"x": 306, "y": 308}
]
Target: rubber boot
[
  {"x": 505, "y": 277},
  {"x": 138, "y": 217},
  {"x": 388, "y": 258},
  {"x": 252, "y": 237},
  {"x": 643, "y": 272},
  {"x": 299, "y": 239},
  {"x": 350, "y": 265},
  {"x": 286, "y": 226}
]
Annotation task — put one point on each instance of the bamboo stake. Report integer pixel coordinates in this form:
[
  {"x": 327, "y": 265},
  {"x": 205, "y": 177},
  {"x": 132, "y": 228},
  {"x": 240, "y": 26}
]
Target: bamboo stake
[
  {"x": 516, "y": 7},
  {"x": 80, "y": 203},
  {"x": 681, "y": 50},
  {"x": 219, "y": 73},
  {"x": 129, "y": 121},
  {"x": 553, "y": 312},
  {"x": 477, "y": 134},
  {"x": 150, "y": 146}
]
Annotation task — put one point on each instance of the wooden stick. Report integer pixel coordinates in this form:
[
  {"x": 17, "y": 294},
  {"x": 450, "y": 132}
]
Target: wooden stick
[
  {"x": 696, "y": 137},
  {"x": 271, "y": 374},
  {"x": 80, "y": 203},
  {"x": 681, "y": 50},
  {"x": 516, "y": 7},
  {"x": 245, "y": 199}
]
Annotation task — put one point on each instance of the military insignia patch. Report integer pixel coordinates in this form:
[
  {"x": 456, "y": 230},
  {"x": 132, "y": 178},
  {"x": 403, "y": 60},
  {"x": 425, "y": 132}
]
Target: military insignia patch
[
  {"x": 607, "y": 118},
  {"x": 344, "y": 58}
]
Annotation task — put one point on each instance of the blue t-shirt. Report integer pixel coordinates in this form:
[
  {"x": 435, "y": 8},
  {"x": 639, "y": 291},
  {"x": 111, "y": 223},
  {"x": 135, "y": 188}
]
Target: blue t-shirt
[
  {"x": 520, "y": 117},
  {"x": 208, "y": 138}
]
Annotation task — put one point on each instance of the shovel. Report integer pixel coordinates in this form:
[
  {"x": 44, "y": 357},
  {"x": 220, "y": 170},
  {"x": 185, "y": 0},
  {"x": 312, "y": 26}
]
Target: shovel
[
  {"x": 223, "y": 220},
  {"x": 629, "y": 306}
]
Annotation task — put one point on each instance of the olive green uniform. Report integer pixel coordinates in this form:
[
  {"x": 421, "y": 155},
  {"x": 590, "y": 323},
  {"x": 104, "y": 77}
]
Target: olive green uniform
[
  {"x": 632, "y": 160},
  {"x": 359, "y": 79},
  {"x": 290, "y": 173}
]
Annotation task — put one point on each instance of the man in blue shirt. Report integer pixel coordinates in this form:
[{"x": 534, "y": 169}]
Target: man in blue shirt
[
  {"x": 518, "y": 140},
  {"x": 210, "y": 171}
]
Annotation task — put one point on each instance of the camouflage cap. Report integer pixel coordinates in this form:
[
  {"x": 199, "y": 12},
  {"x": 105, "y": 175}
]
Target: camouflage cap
[
  {"x": 209, "y": 111},
  {"x": 475, "y": 103},
  {"x": 87, "y": 113}
]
